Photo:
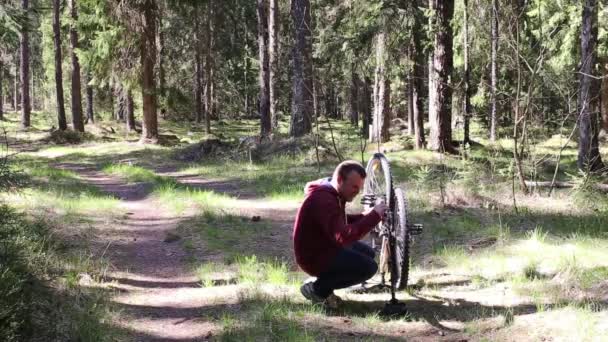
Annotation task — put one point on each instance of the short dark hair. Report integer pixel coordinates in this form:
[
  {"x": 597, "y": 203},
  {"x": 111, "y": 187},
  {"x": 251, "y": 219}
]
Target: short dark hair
[{"x": 348, "y": 166}]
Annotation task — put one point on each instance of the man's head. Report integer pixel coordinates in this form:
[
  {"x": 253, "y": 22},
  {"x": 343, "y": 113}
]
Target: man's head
[{"x": 348, "y": 179}]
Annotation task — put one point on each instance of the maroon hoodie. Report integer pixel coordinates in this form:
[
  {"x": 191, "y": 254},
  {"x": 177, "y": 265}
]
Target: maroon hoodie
[{"x": 321, "y": 228}]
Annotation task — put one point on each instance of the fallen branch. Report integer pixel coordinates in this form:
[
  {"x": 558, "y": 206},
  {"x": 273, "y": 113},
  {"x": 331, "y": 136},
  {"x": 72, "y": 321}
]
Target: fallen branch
[{"x": 563, "y": 185}]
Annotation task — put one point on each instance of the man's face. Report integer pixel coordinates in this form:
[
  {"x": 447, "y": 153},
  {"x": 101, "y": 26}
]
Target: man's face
[{"x": 350, "y": 186}]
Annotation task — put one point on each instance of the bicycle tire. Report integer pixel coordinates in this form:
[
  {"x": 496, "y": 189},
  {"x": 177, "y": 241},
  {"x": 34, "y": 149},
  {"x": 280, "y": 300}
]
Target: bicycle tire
[
  {"x": 370, "y": 187},
  {"x": 402, "y": 240}
]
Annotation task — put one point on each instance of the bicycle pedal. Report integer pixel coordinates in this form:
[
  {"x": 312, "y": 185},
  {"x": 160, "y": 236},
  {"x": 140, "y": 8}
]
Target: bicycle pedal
[{"x": 415, "y": 229}]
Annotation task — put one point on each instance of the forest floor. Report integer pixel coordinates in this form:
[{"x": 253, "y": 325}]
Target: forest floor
[{"x": 200, "y": 249}]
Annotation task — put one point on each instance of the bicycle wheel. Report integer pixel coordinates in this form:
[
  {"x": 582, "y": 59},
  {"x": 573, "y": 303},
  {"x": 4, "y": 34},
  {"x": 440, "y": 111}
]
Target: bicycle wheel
[
  {"x": 379, "y": 181},
  {"x": 401, "y": 246}
]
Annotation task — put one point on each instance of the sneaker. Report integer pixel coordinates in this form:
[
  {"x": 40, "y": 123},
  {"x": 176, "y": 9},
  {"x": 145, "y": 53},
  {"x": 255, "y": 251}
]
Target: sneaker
[{"x": 308, "y": 292}]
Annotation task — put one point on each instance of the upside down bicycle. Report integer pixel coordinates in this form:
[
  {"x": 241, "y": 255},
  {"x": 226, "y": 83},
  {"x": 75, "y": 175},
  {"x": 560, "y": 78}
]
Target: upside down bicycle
[{"x": 391, "y": 239}]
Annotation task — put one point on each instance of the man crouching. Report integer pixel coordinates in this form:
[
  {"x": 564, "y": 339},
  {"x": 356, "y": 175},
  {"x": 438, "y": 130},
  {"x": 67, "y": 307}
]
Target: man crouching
[{"x": 326, "y": 239}]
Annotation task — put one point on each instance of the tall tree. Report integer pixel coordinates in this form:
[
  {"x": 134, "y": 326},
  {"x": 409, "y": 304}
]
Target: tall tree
[
  {"x": 148, "y": 84},
  {"x": 353, "y": 107},
  {"x": 273, "y": 58},
  {"x": 198, "y": 73},
  {"x": 366, "y": 106},
  {"x": 25, "y": 70},
  {"x": 466, "y": 110},
  {"x": 61, "y": 120},
  {"x": 90, "y": 97},
  {"x": 160, "y": 60},
  {"x": 16, "y": 87},
  {"x": 380, "y": 124},
  {"x": 264, "y": 72},
  {"x": 604, "y": 96},
  {"x": 302, "y": 101},
  {"x": 589, "y": 158},
  {"x": 130, "y": 112},
  {"x": 440, "y": 94},
  {"x": 493, "y": 74},
  {"x": 77, "y": 120},
  {"x": 208, "y": 66},
  {"x": 1, "y": 85},
  {"x": 416, "y": 73}
]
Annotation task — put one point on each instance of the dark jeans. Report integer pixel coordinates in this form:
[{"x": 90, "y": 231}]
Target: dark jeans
[{"x": 352, "y": 265}]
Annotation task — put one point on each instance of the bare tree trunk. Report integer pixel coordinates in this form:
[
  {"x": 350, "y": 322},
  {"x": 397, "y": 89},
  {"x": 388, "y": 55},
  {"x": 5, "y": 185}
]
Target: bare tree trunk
[
  {"x": 208, "y": 62},
  {"x": 1, "y": 85},
  {"x": 517, "y": 156},
  {"x": 25, "y": 72},
  {"x": 16, "y": 88},
  {"x": 418, "y": 59},
  {"x": 264, "y": 73},
  {"x": 410, "y": 102},
  {"x": 198, "y": 84},
  {"x": 353, "y": 96},
  {"x": 148, "y": 84},
  {"x": 89, "y": 91},
  {"x": 273, "y": 51},
  {"x": 467, "y": 89},
  {"x": 366, "y": 106},
  {"x": 604, "y": 97},
  {"x": 589, "y": 158},
  {"x": 440, "y": 93},
  {"x": 378, "y": 133},
  {"x": 77, "y": 121},
  {"x": 130, "y": 112},
  {"x": 61, "y": 120},
  {"x": 160, "y": 43},
  {"x": 493, "y": 74},
  {"x": 302, "y": 105},
  {"x": 386, "y": 111},
  {"x": 121, "y": 102}
]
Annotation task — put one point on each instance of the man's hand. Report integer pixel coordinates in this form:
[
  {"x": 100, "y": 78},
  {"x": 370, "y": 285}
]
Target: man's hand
[{"x": 380, "y": 208}]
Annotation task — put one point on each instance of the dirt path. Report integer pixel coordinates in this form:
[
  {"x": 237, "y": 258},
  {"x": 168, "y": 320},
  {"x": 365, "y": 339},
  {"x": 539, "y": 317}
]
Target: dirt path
[{"x": 160, "y": 299}]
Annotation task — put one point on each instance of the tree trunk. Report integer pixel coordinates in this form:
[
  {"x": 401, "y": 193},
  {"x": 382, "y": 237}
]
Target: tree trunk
[
  {"x": 273, "y": 51},
  {"x": 366, "y": 106},
  {"x": 604, "y": 97},
  {"x": 353, "y": 96},
  {"x": 466, "y": 110},
  {"x": 160, "y": 42},
  {"x": 25, "y": 71},
  {"x": 378, "y": 134},
  {"x": 302, "y": 102},
  {"x": 16, "y": 88},
  {"x": 264, "y": 73},
  {"x": 440, "y": 114},
  {"x": 417, "y": 59},
  {"x": 589, "y": 159},
  {"x": 386, "y": 111},
  {"x": 121, "y": 103},
  {"x": 148, "y": 84},
  {"x": 493, "y": 74},
  {"x": 1, "y": 85},
  {"x": 130, "y": 112},
  {"x": 89, "y": 90},
  {"x": 198, "y": 82},
  {"x": 77, "y": 121},
  {"x": 410, "y": 96},
  {"x": 208, "y": 62},
  {"x": 61, "y": 120}
]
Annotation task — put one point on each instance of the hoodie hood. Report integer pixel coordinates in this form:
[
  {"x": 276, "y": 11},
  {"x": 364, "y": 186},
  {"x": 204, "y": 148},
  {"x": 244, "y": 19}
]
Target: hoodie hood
[{"x": 323, "y": 184}]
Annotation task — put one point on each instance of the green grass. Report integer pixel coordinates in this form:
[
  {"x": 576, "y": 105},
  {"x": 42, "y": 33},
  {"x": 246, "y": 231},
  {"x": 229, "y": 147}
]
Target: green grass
[
  {"x": 29, "y": 258},
  {"x": 60, "y": 191}
]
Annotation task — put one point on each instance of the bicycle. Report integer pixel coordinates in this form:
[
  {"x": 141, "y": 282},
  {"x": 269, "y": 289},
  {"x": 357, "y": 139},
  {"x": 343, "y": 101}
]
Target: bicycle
[{"x": 390, "y": 239}]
